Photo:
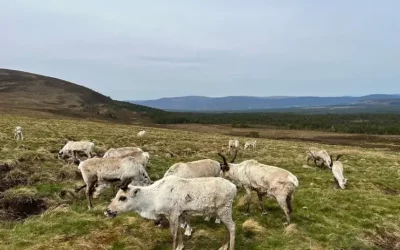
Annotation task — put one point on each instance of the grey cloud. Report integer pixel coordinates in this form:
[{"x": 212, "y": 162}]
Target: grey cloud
[{"x": 141, "y": 50}]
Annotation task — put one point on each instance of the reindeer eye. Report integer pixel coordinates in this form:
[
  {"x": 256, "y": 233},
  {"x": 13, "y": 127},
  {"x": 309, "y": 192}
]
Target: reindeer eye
[{"x": 122, "y": 198}]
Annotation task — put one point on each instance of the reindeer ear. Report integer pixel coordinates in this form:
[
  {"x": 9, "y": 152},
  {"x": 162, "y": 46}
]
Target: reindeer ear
[
  {"x": 135, "y": 191},
  {"x": 124, "y": 186}
]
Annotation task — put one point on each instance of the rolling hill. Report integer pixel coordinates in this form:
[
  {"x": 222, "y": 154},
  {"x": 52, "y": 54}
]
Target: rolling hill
[
  {"x": 248, "y": 103},
  {"x": 27, "y": 93}
]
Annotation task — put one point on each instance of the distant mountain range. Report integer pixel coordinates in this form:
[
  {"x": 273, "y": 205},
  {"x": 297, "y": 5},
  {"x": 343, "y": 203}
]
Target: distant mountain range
[{"x": 249, "y": 103}]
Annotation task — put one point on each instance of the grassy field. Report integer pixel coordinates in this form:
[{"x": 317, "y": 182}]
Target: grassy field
[{"x": 39, "y": 210}]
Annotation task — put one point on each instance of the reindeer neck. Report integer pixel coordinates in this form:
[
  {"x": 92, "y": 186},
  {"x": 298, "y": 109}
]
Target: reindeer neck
[
  {"x": 145, "y": 203},
  {"x": 234, "y": 170}
]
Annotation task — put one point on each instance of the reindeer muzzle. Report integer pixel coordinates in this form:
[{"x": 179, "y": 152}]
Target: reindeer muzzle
[{"x": 109, "y": 213}]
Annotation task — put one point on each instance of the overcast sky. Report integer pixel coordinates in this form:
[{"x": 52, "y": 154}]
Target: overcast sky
[{"x": 136, "y": 50}]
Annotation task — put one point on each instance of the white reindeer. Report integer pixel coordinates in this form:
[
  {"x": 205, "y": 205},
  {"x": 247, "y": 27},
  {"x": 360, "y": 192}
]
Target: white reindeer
[
  {"x": 337, "y": 171},
  {"x": 174, "y": 198},
  {"x": 18, "y": 135},
  {"x": 251, "y": 144},
  {"x": 233, "y": 145},
  {"x": 141, "y": 133},
  {"x": 72, "y": 147}
]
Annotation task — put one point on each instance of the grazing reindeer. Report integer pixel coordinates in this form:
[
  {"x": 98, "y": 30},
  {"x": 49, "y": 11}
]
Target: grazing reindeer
[
  {"x": 337, "y": 171},
  {"x": 266, "y": 180},
  {"x": 102, "y": 171},
  {"x": 318, "y": 156}
]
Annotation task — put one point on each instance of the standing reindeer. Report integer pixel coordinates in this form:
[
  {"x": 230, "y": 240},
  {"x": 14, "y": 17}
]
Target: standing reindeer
[{"x": 18, "y": 133}]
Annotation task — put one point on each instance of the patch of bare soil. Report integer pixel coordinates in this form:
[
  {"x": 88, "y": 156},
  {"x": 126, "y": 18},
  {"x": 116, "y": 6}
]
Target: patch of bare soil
[
  {"x": 6, "y": 184},
  {"x": 16, "y": 208},
  {"x": 4, "y": 168},
  {"x": 389, "y": 190},
  {"x": 19, "y": 208}
]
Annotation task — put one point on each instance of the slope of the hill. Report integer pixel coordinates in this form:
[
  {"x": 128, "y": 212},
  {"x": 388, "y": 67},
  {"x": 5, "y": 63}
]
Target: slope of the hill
[{"x": 27, "y": 93}]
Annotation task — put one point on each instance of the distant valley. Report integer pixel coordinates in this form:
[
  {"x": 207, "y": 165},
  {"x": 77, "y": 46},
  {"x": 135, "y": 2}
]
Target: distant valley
[{"x": 309, "y": 104}]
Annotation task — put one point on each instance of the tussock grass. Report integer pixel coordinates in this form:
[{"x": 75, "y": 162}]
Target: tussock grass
[
  {"x": 252, "y": 228},
  {"x": 363, "y": 216}
]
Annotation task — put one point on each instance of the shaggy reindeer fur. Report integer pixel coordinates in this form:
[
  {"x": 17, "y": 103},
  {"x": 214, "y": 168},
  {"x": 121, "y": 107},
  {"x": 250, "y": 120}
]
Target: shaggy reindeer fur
[
  {"x": 195, "y": 169},
  {"x": 140, "y": 156},
  {"x": 118, "y": 152}
]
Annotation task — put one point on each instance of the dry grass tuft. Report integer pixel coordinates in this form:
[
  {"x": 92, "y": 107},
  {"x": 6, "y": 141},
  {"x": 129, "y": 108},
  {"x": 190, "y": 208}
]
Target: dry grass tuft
[
  {"x": 20, "y": 192},
  {"x": 242, "y": 202},
  {"x": 385, "y": 237},
  {"x": 56, "y": 210},
  {"x": 11, "y": 178},
  {"x": 291, "y": 229},
  {"x": 252, "y": 228},
  {"x": 69, "y": 172},
  {"x": 202, "y": 234}
]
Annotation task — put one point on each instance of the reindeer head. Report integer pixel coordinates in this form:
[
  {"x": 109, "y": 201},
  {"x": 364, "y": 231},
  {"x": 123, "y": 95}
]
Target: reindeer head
[
  {"x": 337, "y": 158},
  {"x": 225, "y": 165},
  {"x": 124, "y": 201}
]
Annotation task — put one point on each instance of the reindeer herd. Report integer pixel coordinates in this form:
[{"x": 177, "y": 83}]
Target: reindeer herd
[{"x": 198, "y": 188}]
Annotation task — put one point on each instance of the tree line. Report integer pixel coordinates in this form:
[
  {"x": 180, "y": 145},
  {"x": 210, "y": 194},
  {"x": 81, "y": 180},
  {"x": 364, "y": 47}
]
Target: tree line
[{"x": 382, "y": 124}]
